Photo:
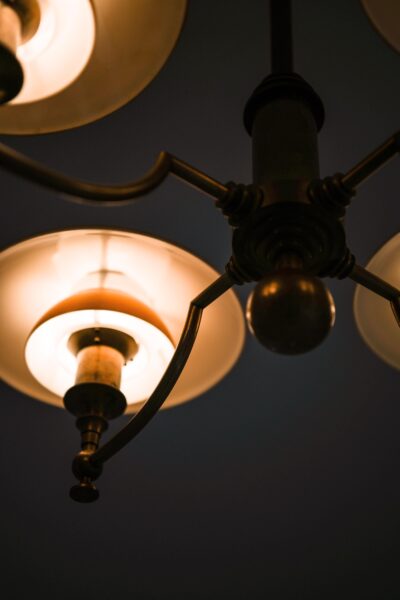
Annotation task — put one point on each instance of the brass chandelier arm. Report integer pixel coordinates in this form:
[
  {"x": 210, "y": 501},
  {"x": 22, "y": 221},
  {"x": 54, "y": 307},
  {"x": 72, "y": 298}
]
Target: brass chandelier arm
[
  {"x": 378, "y": 286},
  {"x": 371, "y": 163},
  {"x": 110, "y": 195},
  {"x": 171, "y": 375},
  {"x": 375, "y": 284},
  {"x": 197, "y": 179}
]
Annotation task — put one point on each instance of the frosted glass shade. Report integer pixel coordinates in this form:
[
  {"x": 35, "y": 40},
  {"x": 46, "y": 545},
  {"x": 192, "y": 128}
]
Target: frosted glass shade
[
  {"x": 374, "y": 317},
  {"x": 132, "y": 41},
  {"x": 37, "y": 274}
]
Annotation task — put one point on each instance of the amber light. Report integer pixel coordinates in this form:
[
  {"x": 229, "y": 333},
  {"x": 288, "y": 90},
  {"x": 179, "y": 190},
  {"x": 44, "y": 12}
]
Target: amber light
[
  {"x": 373, "y": 314},
  {"x": 86, "y": 59},
  {"x": 54, "y": 365},
  {"x": 56, "y": 284}
]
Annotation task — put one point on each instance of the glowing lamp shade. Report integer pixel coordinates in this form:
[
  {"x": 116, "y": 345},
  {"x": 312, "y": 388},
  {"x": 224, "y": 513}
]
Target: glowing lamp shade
[
  {"x": 60, "y": 283},
  {"x": 89, "y": 58},
  {"x": 374, "y": 316}
]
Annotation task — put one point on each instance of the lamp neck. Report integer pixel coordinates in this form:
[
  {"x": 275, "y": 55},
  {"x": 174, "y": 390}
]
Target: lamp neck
[{"x": 283, "y": 117}]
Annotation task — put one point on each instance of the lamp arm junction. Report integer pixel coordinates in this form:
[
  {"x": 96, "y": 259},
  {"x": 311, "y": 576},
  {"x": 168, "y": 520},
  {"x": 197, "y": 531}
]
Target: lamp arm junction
[
  {"x": 85, "y": 466},
  {"x": 334, "y": 193},
  {"x": 110, "y": 195}
]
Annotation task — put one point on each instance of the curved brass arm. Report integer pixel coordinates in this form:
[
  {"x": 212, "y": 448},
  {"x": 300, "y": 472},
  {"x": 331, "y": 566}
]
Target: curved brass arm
[
  {"x": 171, "y": 375},
  {"x": 110, "y": 195}
]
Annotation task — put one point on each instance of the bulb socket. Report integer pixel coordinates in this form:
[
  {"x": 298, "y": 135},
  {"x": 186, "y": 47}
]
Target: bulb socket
[{"x": 96, "y": 336}]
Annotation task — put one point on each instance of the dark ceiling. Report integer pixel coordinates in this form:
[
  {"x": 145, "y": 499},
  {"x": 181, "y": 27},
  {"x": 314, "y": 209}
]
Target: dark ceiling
[{"x": 283, "y": 481}]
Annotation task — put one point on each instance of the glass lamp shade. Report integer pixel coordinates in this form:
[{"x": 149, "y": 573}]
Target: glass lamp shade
[
  {"x": 44, "y": 279},
  {"x": 374, "y": 317},
  {"x": 385, "y": 17},
  {"x": 86, "y": 63}
]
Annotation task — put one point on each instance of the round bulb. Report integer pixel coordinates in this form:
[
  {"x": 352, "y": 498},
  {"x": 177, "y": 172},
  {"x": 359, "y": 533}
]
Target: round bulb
[
  {"x": 290, "y": 312},
  {"x": 374, "y": 316},
  {"x": 44, "y": 279}
]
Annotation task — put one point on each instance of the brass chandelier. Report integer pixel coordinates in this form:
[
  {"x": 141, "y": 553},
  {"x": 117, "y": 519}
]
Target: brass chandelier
[{"x": 105, "y": 331}]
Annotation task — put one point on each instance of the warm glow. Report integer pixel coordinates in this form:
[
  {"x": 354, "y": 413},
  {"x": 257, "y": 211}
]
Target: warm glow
[
  {"x": 54, "y": 366},
  {"x": 106, "y": 68},
  {"x": 60, "y": 49},
  {"x": 39, "y": 274},
  {"x": 374, "y": 317}
]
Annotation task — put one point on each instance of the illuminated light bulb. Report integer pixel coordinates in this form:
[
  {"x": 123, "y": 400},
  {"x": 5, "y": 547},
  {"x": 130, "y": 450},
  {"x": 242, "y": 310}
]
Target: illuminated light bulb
[
  {"x": 374, "y": 316},
  {"x": 58, "y": 269},
  {"x": 54, "y": 365},
  {"x": 57, "y": 53}
]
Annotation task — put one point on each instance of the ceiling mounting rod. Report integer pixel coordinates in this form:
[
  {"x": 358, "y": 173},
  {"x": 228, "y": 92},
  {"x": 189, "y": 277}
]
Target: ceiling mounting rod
[{"x": 281, "y": 36}]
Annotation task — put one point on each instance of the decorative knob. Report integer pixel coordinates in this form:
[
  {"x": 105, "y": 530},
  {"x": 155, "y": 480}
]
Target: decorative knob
[
  {"x": 84, "y": 492},
  {"x": 290, "y": 312},
  {"x": 85, "y": 470}
]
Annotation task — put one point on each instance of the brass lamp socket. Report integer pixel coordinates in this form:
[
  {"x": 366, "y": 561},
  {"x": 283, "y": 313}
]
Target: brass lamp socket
[{"x": 101, "y": 354}]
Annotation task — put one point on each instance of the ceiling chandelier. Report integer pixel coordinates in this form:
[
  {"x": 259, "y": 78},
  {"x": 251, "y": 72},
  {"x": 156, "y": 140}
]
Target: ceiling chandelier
[{"x": 113, "y": 320}]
